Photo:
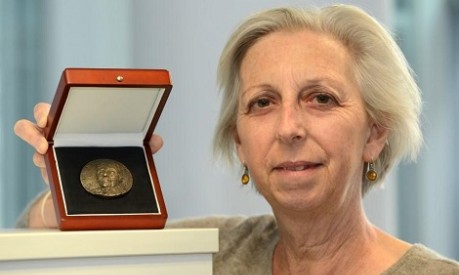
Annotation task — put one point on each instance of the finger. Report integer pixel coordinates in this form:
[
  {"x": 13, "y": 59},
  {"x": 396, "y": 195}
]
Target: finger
[
  {"x": 40, "y": 113},
  {"x": 44, "y": 175},
  {"x": 156, "y": 142},
  {"x": 29, "y": 132},
  {"x": 39, "y": 160}
]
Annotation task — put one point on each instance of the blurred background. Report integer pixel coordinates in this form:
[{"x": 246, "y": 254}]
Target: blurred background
[{"x": 39, "y": 38}]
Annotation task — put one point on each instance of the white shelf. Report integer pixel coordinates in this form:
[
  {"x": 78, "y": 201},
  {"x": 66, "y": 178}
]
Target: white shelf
[{"x": 168, "y": 251}]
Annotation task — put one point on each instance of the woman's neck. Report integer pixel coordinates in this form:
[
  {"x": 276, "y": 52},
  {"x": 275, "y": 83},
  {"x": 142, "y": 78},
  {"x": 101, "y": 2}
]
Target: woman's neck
[
  {"x": 335, "y": 238},
  {"x": 337, "y": 242}
]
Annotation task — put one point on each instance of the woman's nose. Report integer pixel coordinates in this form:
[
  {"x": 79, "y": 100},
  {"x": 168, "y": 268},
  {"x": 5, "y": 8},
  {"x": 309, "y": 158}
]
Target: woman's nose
[{"x": 291, "y": 126}]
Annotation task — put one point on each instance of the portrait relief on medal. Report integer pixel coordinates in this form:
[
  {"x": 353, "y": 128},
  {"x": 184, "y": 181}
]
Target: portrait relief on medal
[{"x": 106, "y": 178}]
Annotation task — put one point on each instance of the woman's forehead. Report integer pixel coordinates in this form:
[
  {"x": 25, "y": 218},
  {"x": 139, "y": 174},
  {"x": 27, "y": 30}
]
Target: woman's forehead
[{"x": 301, "y": 54}]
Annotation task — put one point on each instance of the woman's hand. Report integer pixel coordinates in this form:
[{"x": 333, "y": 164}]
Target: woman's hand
[
  {"x": 156, "y": 142},
  {"x": 42, "y": 213},
  {"x": 32, "y": 133}
]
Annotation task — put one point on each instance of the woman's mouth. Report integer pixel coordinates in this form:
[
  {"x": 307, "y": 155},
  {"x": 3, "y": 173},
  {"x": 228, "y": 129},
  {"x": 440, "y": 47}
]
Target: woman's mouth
[{"x": 296, "y": 166}]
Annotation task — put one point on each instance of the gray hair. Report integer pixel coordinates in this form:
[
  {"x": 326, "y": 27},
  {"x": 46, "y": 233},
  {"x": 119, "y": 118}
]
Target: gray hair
[{"x": 392, "y": 97}]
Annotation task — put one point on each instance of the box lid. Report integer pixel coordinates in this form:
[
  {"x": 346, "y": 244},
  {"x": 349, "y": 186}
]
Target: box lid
[{"x": 107, "y": 107}]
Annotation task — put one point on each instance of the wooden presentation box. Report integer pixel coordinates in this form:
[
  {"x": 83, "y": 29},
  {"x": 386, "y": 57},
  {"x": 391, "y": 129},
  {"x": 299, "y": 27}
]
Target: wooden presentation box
[{"x": 100, "y": 166}]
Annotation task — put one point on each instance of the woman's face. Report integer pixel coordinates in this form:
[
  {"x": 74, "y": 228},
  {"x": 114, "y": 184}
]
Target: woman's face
[
  {"x": 302, "y": 128},
  {"x": 107, "y": 176}
]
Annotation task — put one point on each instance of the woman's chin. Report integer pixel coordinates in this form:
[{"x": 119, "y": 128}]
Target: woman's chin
[{"x": 298, "y": 202}]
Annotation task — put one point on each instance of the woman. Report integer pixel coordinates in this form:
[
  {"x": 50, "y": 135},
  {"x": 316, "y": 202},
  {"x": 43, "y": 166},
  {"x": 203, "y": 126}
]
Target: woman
[{"x": 318, "y": 106}]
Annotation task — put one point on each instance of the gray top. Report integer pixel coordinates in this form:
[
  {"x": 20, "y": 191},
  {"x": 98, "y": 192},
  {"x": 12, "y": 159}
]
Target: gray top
[{"x": 247, "y": 245}]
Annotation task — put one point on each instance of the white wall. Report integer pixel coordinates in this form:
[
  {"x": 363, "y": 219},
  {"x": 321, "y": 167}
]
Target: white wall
[
  {"x": 430, "y": 198},
  {"x": 185, "y": 37}
]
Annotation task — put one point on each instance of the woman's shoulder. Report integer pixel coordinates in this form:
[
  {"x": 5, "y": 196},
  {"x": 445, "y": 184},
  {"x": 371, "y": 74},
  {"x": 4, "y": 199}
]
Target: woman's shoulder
[
  {"x": 232, "y": 228},
  {"x": 246, "y": 244},
  {"x": 225, "y": 222},
  {"x": 422, "y": 260}
]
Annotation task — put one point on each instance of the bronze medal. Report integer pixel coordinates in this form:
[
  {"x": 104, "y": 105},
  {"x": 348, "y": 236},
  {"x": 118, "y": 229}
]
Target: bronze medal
[{"x": 106, "y": 178}]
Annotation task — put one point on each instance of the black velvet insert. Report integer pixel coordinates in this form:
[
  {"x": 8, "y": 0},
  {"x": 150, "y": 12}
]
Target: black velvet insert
[{"x": 140, "y": 199}]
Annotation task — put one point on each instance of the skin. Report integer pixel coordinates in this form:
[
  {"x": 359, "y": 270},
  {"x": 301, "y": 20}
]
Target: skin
[{"x": 304, "y": 134}]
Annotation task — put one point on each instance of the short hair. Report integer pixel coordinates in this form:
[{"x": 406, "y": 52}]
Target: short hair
[{"x": 391, "y": 95}]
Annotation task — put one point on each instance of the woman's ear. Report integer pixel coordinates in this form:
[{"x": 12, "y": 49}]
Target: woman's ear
[{"x": 375, "y": 142}]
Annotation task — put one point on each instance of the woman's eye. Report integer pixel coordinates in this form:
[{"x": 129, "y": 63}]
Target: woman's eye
[
  {"x": 259, "y": 104},
  {"x": 262, "y": 102},
  {"x": 324, "y": 99}
]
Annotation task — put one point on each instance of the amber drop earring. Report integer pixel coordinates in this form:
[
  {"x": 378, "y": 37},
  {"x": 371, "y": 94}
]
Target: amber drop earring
[
  {"x": 371, "y": 174},
  {"x": 245, "y": 175}
]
